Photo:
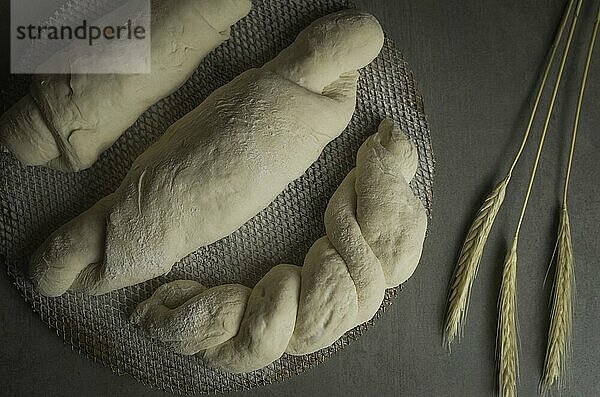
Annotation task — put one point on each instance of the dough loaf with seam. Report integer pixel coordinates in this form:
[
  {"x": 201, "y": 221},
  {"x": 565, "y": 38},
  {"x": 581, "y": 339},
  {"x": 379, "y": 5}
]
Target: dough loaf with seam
[
  {"x": 68, "y": 120},
  {"x": 219, "y": 165}
]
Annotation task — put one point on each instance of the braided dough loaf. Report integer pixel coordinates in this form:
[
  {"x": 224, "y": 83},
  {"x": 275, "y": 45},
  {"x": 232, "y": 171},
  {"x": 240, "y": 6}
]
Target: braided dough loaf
[
  {"x": 375, "y": 231},
  {"x": 69, "y": 120},
  {"x": 219, "y": 165}
]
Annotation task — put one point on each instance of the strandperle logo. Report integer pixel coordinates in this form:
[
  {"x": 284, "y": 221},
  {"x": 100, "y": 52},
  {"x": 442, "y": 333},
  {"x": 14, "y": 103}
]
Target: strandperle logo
[
  {"x": 85, "y": 31},
  {"x": 80, "y": 36}
]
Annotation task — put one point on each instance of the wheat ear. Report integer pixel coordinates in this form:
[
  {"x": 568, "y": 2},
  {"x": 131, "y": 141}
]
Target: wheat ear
[
  {"x": 507, "y": 326},
  {"x": 558, "y": 349},
  {"x": 468, "y": 261},
  {"x": 472, "y": 249},
  {"x": 561, "y": 320}
]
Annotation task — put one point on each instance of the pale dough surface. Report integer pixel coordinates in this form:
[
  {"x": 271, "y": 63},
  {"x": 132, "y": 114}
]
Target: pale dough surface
[
  {"x": 375, "y": 232},
  {"x": 68, "y": 120},
  {"x": 218, "y": 166}
]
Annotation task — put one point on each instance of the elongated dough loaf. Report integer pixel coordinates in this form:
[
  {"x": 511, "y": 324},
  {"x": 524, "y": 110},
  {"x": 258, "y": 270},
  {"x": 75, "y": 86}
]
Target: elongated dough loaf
[
  {"x": 219, "y": 165},
  {"x": 69, "y": 120},
  {"x": 375, "y": 231}
]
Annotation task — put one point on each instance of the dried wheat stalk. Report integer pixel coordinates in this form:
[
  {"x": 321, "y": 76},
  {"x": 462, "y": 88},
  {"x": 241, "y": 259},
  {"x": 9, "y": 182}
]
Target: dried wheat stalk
[
  {"x": 468, "y": 261},
  {"x": 472, "y": 249},
  {"x": 508, "y": 356},
  {"x": 507, "y": 326},
  {"x": 561, "y": 320}
]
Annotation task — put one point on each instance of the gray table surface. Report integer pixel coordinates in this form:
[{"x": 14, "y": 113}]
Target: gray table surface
[{"x": 476, "y": 63}]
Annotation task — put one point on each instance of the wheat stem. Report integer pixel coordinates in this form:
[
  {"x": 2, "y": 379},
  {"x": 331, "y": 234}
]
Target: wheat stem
[
  {"x": 586, "y": 70},
  {"x": 542, "y": 84},
  {"x": 549, "y": 115},
  {"x": 561, "y": 319},
  {"x": 472, "y": 249}
]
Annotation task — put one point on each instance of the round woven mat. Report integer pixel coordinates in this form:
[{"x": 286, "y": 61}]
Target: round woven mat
[{"x": 35, "y": 201}]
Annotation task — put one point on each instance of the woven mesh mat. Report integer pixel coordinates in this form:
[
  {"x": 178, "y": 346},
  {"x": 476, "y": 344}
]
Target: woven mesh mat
[{"x": 35, "y": 201}]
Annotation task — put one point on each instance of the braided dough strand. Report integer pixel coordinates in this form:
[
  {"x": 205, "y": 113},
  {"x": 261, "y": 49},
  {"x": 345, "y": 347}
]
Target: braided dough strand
[{"x": 375, "y": 232}]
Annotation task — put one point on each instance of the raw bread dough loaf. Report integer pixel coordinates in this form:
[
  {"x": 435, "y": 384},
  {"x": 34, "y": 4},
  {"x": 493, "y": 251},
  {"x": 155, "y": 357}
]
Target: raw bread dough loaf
[
  {"x": 218, "y": 166},
  {"x": 69, "y": 120},
  {"x": 375, "y": 232}
]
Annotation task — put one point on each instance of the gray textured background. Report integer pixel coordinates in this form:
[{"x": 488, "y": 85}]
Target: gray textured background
[{"x": 476, "y": 63}]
